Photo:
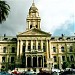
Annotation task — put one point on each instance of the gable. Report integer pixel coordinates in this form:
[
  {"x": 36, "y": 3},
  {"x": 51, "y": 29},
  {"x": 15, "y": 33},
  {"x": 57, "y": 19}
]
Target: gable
[{"x": 34, "y": 32}]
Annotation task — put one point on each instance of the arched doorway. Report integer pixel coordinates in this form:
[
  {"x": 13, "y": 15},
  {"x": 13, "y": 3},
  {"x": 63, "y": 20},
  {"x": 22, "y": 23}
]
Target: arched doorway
[
  {"x": 39, "y": 62},
  {"x": 3, "y": 68},
  {"x": 29, "y": 62},
  {"x": 34, "y": 61}
]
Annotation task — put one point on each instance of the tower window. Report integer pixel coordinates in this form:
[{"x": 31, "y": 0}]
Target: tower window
[
  {"x": 30, "y": 26},
  {"x": 36, "y": 26}
]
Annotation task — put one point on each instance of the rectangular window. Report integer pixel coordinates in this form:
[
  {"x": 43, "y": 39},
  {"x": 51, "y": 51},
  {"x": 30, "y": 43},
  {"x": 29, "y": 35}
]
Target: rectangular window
[
  {"x": 71, "y": 58},
  {"x": 23, "y": 49},
  {"x": 63, "y": 58},
  {"x": 62, "y": 49},
  {"x": 44, "y": 46},
  {"x": 4, "y": 50},
  {"x": 13, "y": 50},
  {"x": 71, "y": 49},
  {"x": 54, "y": 49},
  {"x": 55, "y": 66},
  {"x": 12, "y": 59},
  {"x": 67, "y": 58},
  {"x": 39, "y": 45},
  {"x": 29, "y": 47}
]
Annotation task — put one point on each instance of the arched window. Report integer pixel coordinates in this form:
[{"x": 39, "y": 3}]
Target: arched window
[
  {"x": 62, "y": 49},
  {"x": 36, "y": 26},
  {"x": 4, "y": 50},
  {"x": 30, "y": 26},
  {"x": 55, "y": 59}
]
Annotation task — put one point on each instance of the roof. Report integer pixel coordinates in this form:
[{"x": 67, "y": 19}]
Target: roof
[{"x": 34, "y": 32}]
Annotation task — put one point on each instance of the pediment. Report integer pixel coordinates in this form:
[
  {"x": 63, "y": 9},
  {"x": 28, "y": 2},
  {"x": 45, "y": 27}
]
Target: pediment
[{"x": 34, "y": 32}]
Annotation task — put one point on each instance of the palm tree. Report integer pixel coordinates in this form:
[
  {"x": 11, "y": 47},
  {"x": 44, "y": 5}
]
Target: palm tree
[{"x": 4, "y": 10}]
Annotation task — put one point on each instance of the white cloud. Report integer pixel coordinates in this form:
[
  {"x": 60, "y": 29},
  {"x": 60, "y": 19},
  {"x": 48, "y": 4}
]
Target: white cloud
[{"x": 54, "y": 14}]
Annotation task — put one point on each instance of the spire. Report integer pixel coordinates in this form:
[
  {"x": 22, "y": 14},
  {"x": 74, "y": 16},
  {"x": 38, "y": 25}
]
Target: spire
[
  {"x": 33, "y": 1},
  {"x": 33, "y": 4}
]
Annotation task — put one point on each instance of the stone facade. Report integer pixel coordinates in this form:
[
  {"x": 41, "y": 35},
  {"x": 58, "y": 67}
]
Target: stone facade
[{"x": 36, "y": 48}]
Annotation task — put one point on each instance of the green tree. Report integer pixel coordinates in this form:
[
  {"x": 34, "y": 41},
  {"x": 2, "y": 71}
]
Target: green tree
[
  {"x": 65, "y": 65},
  {"x": 4, "y": 10}
]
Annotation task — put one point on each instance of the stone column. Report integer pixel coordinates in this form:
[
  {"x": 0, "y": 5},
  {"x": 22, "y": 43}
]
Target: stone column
[
  {"x": 26, "y": 61},
  {"x": 21, "y": 44},
  {"x": 26, "y": 45},
  {"x": 32, "y": 61},
  {"x": 37, "y": 61},
  {"x": 31, "y": 45},
  {"x": 43, "y": 61},
  {"x": 47, "y": 51},
  {"x": 59, "y": 62},
  {"x": 37, "y": 45},
  {"x": 18, "y": 48}
]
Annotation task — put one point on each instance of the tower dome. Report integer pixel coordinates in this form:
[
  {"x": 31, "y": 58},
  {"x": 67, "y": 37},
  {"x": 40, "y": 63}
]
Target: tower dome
[{"x": 33, "y": 18}]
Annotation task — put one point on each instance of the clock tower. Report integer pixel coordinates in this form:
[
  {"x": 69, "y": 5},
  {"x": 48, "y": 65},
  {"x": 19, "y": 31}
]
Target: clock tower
[{"x": 33, "y": 18}]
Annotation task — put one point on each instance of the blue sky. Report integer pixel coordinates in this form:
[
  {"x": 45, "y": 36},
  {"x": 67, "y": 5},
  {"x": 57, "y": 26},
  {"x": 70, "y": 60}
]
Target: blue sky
[{"x": 57, "y": 16}]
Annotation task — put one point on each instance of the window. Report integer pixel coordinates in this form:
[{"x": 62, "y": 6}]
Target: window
[
  {"x": 34, "y": 45},
  {"x": 71, "y": 49},
  {"x": 67, "y": 58},
  {"x": 23, "y": 49},
  {"x": 62, "y": 49},
  {"x": 55, "y": 59},
  {"x": 63, "y": 58},
  {"x": 30, "y": 26},
  {"x": 36, "y": 26},
  {"x": 55, "y": 66},
  {"x": 71, "y": 58},
  {"x": 29, "y": 45},
  {"x": 54, "y": 49},
  {"x": 44, "y": 46},
  {"x": 3, "y": 59},
  {"x": 13, "y": 50},
  {"x": 39, "y": 45},
  {"x": 12, "y": 59},
  {"x": 4, "y": 50}
]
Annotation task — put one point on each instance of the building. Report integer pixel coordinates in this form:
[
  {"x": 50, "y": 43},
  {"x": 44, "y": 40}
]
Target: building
[{"x": 35, "y": 48}]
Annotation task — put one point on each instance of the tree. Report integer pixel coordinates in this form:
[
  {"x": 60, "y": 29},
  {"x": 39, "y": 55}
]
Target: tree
[
  {"x": 4, "y": 10},
  {"x": 65, "y": 65}
]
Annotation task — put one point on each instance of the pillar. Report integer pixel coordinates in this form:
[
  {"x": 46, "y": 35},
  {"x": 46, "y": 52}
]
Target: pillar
[
  {"x": 37, "y": 61},
  {"x": 32, "y": 61},
  {"x": 18, "y": 48},
  {"x": 43, "y": 61},
  {"x": 37, "y": 45},
  {"x": 31, "y": 45},
  {"x": 26, "y": 61},
  {"x": 26, "y": 45},
  {"x": 47, "y": 51},
  {"x": 21, "y": 44}
]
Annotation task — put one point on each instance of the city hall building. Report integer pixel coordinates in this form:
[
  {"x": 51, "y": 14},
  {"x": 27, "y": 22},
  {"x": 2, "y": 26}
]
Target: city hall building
[{"x": 35, "y": 48}]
